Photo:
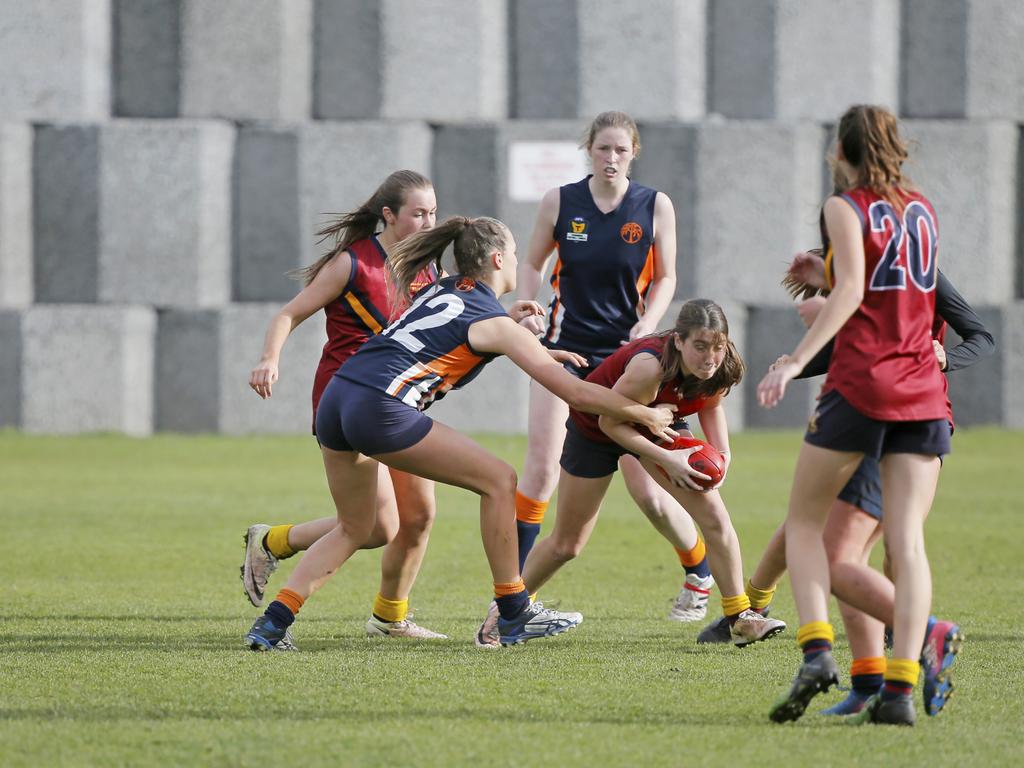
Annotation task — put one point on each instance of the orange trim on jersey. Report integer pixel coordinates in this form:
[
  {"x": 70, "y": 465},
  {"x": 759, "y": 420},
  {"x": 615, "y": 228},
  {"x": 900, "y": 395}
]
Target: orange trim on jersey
[
  {"x": 451, "y": 367},
  {"x": 556, "y": 302},
  {"x": 364, "y": 315},
  {"x": 644, "y": 281},
  {"x": 829, "y": 274}
]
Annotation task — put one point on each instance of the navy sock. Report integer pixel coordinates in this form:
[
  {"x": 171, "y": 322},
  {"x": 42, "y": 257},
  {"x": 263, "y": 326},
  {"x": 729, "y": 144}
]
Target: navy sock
[
  {"x": 894, "y": 689},
  {"x": 280, "y": 613},
  {"x": 701, "y": 569},
  {"x": 510, "y": 606},
  {"x": 866, "y": 685},
  {"x": 527, "y": 535},
  {"x": 814, "y": 648}
]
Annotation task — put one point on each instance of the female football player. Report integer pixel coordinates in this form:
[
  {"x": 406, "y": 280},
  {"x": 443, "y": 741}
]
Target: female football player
[
  {"x": 349, "y": 284},
  {"x": 691, "y": 367},
  {"x": 613, "y": 279},
  {"x": 884, "y": 398},
  {"x": 372, "y": 413}
]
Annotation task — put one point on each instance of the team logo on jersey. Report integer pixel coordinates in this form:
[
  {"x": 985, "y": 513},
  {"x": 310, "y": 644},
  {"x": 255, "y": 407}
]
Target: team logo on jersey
[
  {"x": 631, "y": 232},
  {"x": 577, "y": 230},
  {"x": 465, "y": 284}
]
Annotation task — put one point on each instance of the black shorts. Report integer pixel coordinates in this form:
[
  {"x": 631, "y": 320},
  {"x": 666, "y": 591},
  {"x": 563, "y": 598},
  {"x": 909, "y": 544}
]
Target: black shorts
[
  {"x": 352, "y": 417},
  {"x": 864, "y": 488},
  {"x": 839, "y": 426},
  {"x": 583, "y": 457}
]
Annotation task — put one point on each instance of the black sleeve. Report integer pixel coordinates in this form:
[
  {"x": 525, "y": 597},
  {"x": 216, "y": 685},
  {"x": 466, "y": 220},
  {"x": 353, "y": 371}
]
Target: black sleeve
[
  {"x": 954, "y": 309},
  {"x": 818, "y": 364}
]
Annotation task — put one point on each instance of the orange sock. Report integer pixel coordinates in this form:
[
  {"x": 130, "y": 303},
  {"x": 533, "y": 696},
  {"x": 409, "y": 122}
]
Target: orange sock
[
  {"x": 691, "y": 557},
  {"x": 291, "y": 600},
  {"x": 530, "y": 510}
]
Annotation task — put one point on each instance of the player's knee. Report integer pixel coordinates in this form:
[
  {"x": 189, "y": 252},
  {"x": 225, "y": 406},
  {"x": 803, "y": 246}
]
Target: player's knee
[
  {"x": 567, "y": 549},
  {"x": 417, "y": 520}
]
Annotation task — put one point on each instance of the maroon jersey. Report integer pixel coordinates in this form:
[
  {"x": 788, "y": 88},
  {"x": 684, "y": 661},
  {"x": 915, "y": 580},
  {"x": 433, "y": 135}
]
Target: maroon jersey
[
  {"x": 362, "y": 310},
  {"x": 883, "y": 362},
  {"x": 611, "y": 370}
]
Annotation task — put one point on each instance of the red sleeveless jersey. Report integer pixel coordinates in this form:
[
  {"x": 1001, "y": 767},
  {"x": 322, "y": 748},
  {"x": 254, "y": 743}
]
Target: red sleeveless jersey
[
  {"x": 362, "y": 310},
  {"x": 883, "y": 362},
  {"x": 611, "y": 370}
]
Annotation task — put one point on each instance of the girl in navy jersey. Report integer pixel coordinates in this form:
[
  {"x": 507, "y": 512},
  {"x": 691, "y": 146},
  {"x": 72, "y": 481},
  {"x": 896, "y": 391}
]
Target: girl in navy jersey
[
  {"x": 884, "y": 398},
  {"x": 349, "y": 284},
  {"x": 373, "y": 407},
  {"x": 692, "y": 368},
  {"x": 614, "y": 276}
]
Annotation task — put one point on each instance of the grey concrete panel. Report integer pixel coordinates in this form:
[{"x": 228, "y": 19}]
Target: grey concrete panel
[
  {"x": 10, "y": 368},
  {"x": 496, "y": 401},
  {"x": 204, "y": 362},
  {"x": 147, "y": 207},
  {"x": 16, "y": 273},
  {"x": 88, "y": 369},
  {"x": 55, "y": 59},
  {"x": 66, "y": 213},
  {"x": 246, "y": 59},
  {"x": 934, "y": 58},
  {"x": 989, "y": 392},
  {"x": 466, "y": 78},
  {"x": 831, "y": 55},
  {"x": 347, "y": 45},
  {"x": 319, "y": 170},
  {"x": 802, "y": 59},
  {"x": 963, "y": 58},
  {"x": 545, "y": 77},
  {"x": 664, "y": 78},
  {"x": 771, "y": 332},
  {"x": 747, "y": 196},
  {"x": 967, "y": 170},
  {"x": 147, "y": 58},
  {"x": 742, "y": 58}
]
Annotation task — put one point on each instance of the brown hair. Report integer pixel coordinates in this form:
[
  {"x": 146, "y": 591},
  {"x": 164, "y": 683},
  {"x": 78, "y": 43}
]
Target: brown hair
[
  {"x": 474, "y": 240},
  {"x": 612, "y": 120},
  {"x": 701, "y": 315},
  {"x": 361, "y": 223},
  {"x": 871, "y": 143}
]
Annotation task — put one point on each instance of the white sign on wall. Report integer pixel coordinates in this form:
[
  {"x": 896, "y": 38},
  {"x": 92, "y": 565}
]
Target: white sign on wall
[{"x": 534, "y": 167}]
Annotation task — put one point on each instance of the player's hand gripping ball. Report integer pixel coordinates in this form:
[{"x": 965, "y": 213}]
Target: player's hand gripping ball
[{"x": 708, "y": 461}]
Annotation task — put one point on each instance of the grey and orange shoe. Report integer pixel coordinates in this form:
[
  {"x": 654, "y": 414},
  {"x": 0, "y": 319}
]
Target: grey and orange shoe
[
  {"x": 258, "y": 564},
  {"x": 406, "y": 628},
  {"x": 752, "y": 627}
]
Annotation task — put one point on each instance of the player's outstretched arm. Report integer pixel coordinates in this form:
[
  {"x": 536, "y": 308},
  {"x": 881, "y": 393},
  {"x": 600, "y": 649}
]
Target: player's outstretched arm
[
  {"x": 328, "y": 284},
  {"x": 500, "y": 335}
]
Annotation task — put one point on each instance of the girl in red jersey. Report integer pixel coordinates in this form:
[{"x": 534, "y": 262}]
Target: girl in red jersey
[
  {"x": 349, "y": 284},
  {"x": 691, "y": 367},
  {"x": 372, "y": 413},
  {"x": 884, "y": 398},
  {"x": 614, "y": 243}
]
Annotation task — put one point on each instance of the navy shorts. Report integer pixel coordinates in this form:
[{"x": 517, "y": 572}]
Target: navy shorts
[
  {"x": 839, "y": 426},
  {"x": 583, "y": 457},
  {"x": 864, "y": 488},
  {"x": 352, "y": 417}
]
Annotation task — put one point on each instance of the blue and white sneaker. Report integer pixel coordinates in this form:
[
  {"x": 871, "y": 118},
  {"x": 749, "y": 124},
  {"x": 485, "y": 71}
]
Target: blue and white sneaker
[
  {"x": 941, "y": 645},
  {"x": 851, "y": 705},
  {"x": 265, "y": 635},
  {"x": 536, "y": 621}
]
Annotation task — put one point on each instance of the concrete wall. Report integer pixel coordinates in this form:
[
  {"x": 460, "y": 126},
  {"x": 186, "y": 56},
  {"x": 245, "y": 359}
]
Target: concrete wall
[{"x": 165, "y": 163}]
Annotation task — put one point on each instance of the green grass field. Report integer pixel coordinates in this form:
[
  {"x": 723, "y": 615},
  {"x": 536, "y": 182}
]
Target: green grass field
[{"x": 123, "y": 615}]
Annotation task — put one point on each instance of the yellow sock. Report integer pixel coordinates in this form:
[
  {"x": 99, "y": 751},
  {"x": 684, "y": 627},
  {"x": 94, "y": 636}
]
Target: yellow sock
[
  {"x": 731, "y": 606},
  {"x": 815, "y": 630},
  {"x": 277, "y": 541},
  {"x": 903, "y": 671},
  {"x": 390, "y": 610},
  {"x": 759, "y": 598}
]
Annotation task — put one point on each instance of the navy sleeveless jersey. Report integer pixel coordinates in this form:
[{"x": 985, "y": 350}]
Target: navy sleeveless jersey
[
  {"x": 604, "y": 268},
  {"x": 426, "y": 352}
]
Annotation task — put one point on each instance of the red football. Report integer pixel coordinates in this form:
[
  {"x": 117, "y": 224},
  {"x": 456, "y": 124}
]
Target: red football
[{"x": 707, "y": 461}]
